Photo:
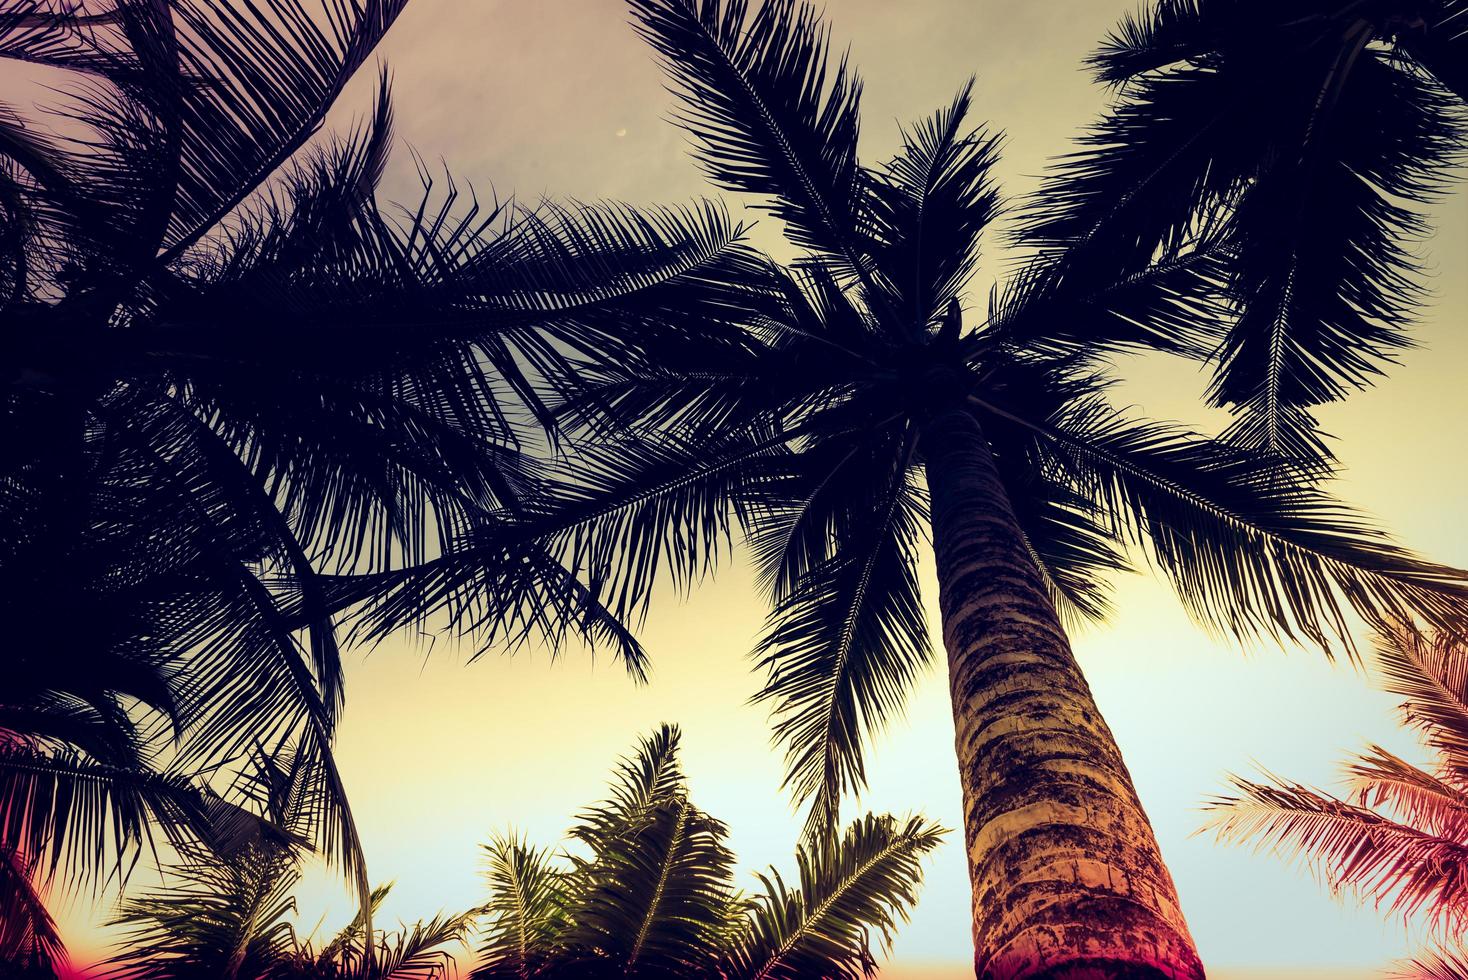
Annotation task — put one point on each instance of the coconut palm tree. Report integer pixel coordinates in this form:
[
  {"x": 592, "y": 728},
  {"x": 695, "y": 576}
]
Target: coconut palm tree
[
  {"x": 841, "y": 410},
  {"x": 1304, "y": 139},
  {"x": 228, "y": 912},
  {"x": 233, "y": 380},
  {"x": 650, "y": 893},
  {"x": 1400, "y": 838}
]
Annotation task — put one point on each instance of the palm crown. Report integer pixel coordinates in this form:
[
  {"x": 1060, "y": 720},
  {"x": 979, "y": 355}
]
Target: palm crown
[
  {"x": 1295, "y": 141},
  {"x": 650, "y": 891},
  {"x": 1400, "y": 838},
  {"x": 804, "y": 408}
]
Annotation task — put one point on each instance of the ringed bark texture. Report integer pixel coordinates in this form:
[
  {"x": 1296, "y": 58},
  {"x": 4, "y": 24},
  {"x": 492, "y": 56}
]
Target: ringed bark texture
[{"x": 1067, "y": 878}]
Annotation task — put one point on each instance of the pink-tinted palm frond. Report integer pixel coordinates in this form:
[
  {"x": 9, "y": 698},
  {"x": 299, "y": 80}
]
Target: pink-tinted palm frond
[
  {"x": 1435, "y": 964},
  {"x": 1383, "y": 781},
  {"x": 1397, "y": 866},
  {"x": 1431, "y": 672}
]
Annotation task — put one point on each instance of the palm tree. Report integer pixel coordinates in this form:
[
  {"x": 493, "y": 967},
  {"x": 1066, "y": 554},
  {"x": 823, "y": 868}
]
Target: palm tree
[
  {"x": 1302, "y": 139},
  {"x": 227, "y": 913},
  {"x": 1401, "y": 836},
  {"x": 840, "y": 410},
  {"x": 237, "y": 386},
  {"x": 653, "y": 895}
]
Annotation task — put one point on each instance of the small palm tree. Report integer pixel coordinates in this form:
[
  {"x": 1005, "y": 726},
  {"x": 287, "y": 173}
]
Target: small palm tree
[
  {"x": 1300, "y": 140},
  {"x": 1401, "y": 837},
  {"x": 653, "y": 895},
  {"x": 227, "y": 912}
]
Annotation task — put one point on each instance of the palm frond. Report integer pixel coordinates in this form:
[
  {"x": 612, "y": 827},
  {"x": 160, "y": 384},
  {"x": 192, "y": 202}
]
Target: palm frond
[
  {"x": 228, "y": 919},
  {"x": 1435, "y": 964},
  {"x": 842, "y": 648},
  {"x": 861, "y": 881},
  {"x": 1384, "y": 782},
  {"x": 1322, "y": 268},
  {"x": 1249, "y": 554},
  {"x": 654, "y": 896},
  {"x": 928, "y": 207},
  {"x": 1168, "y": 32},
  {"x": 28, "y": 934},
  {"x": 274, "y": 69},
  {"x": 768, "y": 112},
  {"x": 526, "y": 910},
  {"x": 1066, "y": 306},
  {"x": 1431, "y": 672},
  {"x": 1355, "y": 848},
  {"x": 63, "y": 810},
  {"x": 1440, "y": 44},
  {"x": 417, "y": 952}
]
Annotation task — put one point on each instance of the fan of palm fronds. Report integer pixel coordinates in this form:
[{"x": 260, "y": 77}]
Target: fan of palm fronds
[
  {"x": 650, "y": 893},
  {"x": 1400, "y": 837}
]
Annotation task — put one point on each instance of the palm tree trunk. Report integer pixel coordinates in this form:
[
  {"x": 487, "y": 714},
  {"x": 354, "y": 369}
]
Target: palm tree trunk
[{"x": 1066, "y": 874}]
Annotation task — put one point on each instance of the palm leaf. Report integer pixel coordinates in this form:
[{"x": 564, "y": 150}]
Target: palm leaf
[
  {"x": 654, "y": 896},
  {"x": 927, "y": 209},
  {"x": 842, "y": 648},
  {"x": 1391, "y": 863},
  {"x": 1249, "y": 554},
  {"x": 768, "y": 114},
  {"x": 1436, "y": 964},
  {"x": 526, "y": 910},
  {"x": 65, "y": 810},
  {"x": 864, "y": 880},
  {"x": 1381, "y": 780},
  {"x": 28, "y": 934},
  {"x": 1431, "y": 673}
]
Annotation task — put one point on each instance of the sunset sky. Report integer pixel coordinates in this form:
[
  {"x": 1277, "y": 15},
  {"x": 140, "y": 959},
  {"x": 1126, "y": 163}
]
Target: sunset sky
[{"x": 559, "y": 98}]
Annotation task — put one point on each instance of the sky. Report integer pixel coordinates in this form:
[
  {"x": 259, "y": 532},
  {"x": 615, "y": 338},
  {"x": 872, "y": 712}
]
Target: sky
[{"x": 559, "y": 98}]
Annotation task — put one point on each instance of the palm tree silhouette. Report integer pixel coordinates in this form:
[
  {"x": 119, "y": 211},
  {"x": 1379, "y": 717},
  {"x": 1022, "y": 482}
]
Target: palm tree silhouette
[
  {"x": 241, "y": 394},
  {"x": 1401, "y": 837},
  {"x": 656, "y": 896},
  {"x": 228, "y": 912},
  {"x": 816, "y": 404},
  {"x": 1299, "y": 139}
]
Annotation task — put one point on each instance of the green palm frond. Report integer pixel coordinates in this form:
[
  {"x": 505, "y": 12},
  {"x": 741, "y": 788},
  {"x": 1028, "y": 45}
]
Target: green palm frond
[
  {"x": 655, "y": 896},
  {"x": 655, "y": 891},
  {"x": 526, "y": 911},
  {"x": 854, "y": 883},
  {"x": 417, "y": 952},
  {"x": 216, "y": 918}
]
